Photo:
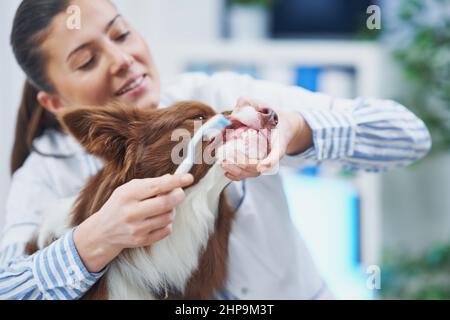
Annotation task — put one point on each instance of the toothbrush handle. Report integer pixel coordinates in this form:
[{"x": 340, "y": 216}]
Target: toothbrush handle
[{"x": 184, "y": 167}]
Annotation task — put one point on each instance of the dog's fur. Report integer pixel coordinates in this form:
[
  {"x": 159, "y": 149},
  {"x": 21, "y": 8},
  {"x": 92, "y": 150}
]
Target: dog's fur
[{"x": 191, "y": 262}]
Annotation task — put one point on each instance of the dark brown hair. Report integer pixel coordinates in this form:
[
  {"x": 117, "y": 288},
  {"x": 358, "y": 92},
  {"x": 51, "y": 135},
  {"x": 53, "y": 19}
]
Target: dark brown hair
[{"x": 30, "y": 27}]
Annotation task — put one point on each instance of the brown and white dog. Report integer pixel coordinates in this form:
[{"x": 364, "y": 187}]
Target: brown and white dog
[{"x": 191, "y": 263}]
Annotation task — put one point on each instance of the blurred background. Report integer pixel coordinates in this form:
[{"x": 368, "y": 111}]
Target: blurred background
[{"x": 355, "y": 224}]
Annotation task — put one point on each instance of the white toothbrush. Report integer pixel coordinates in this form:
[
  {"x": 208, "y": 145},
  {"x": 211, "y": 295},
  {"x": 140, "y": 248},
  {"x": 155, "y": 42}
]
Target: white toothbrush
[{"x": 209, "y": 129}]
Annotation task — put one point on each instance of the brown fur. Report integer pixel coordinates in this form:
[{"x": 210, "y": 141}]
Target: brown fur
[
  {"x": 32, "y": 246},
  {"x": 137, "y": 143},
  {"x": 212, "y": 270}
]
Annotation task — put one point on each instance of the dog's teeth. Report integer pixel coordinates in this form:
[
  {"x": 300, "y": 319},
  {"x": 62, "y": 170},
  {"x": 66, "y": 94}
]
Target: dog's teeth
[{"x": 131, "y": 86}]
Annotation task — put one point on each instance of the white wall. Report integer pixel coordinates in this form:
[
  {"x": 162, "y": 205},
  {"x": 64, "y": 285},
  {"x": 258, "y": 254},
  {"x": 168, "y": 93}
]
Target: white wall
[
  {"x": 416, "y": 205},
  {"x": 11, "y": 81},
  {"x": 166, "y": 23},
  {"x": 174, "y": 20}
]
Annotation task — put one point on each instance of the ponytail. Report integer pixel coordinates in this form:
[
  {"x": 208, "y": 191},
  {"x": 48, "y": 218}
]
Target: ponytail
[
  {"x": 31, "y": 22},
  {"x": 32, "y": 120}
]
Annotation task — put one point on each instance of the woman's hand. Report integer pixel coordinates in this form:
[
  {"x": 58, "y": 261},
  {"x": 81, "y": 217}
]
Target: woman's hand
[
  {"x": 137, "y": 214},
  {"x": 291, "y": 136}
]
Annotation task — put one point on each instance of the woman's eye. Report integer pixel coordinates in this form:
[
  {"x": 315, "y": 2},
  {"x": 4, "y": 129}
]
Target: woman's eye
[
  {"x": 123, "y": 36},
  {"x": 88, "y": 64},
  {"x": 199, "y": 117}
]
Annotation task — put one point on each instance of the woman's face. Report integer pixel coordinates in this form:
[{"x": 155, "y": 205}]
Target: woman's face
[{"x": 105, "y": 60}]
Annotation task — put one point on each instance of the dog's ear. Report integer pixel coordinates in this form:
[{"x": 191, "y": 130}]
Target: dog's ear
[{"x": 104, "y": 131}]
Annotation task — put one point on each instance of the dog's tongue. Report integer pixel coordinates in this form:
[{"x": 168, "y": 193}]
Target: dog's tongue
[{"x": 248, "y": 116}]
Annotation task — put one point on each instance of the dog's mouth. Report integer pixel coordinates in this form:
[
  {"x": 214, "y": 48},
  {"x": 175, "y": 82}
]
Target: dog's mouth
[{"x": 250, "y": 133}]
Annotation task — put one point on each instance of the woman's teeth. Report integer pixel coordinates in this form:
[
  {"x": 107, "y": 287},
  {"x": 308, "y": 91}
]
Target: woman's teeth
[{"x": 131, "y": 86}]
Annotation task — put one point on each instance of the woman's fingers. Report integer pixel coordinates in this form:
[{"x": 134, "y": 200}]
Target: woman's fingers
[
  {"x": 157, "y": 235},
  {"x": 160, "y": 204},
  {"x": 278, "y": 150},
  {"x": 140, "y": 189},
  {"x": 237, "y": 171},
  {"x": 139, "y": 212},
  {"x": 233, "y": 177},
  {"x": 239, "y": 166},
  {"x": 246, "y": 101},
  {"x": 246, "y": 164},
  {"x": 269, "y": 162},
  {"x": 156, "y": 222},
  {"x": 150, "y": 230},
  {"x": 232, "y": 169}
]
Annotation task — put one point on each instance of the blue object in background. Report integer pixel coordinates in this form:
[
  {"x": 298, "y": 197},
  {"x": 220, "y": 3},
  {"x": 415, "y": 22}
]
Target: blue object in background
[
  {"x": 248, "y": 69},
  {"x": 318, "y": 18},
  {"x": 309, "y": 171},
  {"x": 199, "y": 67},
  {"x": 308, "y": 77},
  {"x": 210, "y": 69},
  {"x": 326, "y": 213}
]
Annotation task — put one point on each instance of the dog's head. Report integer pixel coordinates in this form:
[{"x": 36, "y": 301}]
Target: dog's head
[{"x": 138, "y": 143}]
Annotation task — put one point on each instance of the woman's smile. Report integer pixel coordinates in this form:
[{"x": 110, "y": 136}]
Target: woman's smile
[
  {"x": 133, "y": 88},
  {"x": 131, "y": 85}
]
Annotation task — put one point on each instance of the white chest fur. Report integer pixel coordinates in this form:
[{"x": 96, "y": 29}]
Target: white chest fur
[
  {"x": 173, "y": 259},
  {"x": 169, "y": 261}
]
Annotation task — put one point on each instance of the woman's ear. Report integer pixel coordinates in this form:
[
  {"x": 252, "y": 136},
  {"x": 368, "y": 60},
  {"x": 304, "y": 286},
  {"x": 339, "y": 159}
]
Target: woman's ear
[
  {"x": 50, "y": 102},
  {"x": 104, "y": 131}
]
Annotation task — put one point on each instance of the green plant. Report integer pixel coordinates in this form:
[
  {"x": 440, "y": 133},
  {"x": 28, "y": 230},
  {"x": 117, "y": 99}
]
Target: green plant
[
  {"x": 263, "y": 3},
  {"x": 425, "y": 59},
  {"x": 421, "y": 277}
]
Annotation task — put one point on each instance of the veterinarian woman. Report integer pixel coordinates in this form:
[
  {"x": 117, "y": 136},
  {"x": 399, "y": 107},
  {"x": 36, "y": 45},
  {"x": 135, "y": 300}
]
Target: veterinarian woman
[{"x": 98, "y": 64}]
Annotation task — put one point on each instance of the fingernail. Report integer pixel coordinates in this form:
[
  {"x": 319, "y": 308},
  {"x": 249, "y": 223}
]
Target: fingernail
[
  {"x": 187, "y": 178},
  {"x": 261, "y": 168},
  {"x": 178, "y": 194}
]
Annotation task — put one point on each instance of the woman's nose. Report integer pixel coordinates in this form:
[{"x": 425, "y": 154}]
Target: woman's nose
[{"x": 120, "y": 60}]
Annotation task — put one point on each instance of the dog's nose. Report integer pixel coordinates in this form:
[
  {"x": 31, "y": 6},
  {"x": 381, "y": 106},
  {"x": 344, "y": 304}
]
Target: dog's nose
[
  {"x": 255, "y": 117},
  {"x": 269, "y": 118}
]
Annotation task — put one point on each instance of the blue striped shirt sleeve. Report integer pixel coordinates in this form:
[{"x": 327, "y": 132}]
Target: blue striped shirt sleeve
[
  {"x": 358, "y": 134},
  {"x": 366, "y": 134},
  {"x": 53, "y": 273}
]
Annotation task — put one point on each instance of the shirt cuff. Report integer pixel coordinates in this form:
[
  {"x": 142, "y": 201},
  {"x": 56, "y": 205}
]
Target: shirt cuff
[
  {"x": 334, "y": 134},
  {"x": 60, "y": 272}
]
